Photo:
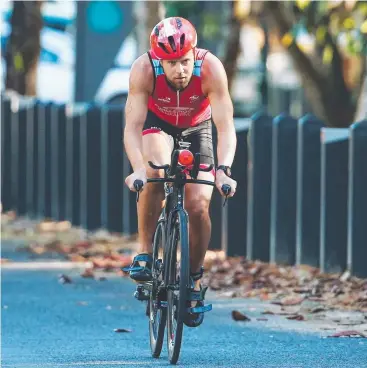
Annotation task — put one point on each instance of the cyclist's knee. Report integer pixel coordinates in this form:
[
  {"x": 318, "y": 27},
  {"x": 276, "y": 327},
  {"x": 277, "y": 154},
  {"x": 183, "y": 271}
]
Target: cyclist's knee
[{"x": 197, "y": 207}]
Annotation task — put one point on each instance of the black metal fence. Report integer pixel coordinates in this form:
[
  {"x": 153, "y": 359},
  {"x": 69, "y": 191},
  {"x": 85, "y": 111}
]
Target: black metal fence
[{"x": 302, "y": 188}]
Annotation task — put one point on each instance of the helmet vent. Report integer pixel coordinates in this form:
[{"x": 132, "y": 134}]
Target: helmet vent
[
  {"x": 162, "y": 46},
  {"x": 172, "y": 43},
  {"x": 182, "y": 41}
]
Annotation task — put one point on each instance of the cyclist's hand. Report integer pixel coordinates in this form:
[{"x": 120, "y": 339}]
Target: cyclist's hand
[
  {"x": 220, "y": 179},
  {"x": 140, "y": 174}
]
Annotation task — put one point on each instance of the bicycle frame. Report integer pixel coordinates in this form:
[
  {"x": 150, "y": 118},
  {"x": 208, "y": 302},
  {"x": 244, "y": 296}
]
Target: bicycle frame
[{"x": 174, "y": 181}]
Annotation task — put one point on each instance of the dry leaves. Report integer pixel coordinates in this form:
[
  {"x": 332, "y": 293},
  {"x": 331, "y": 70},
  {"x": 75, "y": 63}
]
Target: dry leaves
[
  {"x": 349, "y": 334},
  {"x": 119, "y": 330},
  {"x": 64, "y": 279},
  {"x": 105, "y": 250},
  {"x": 296, "y": 317},
  {"x": 234, "y": 277},
  {"x": 286, "y": 285},
  {"x": 238, "y": 316}
]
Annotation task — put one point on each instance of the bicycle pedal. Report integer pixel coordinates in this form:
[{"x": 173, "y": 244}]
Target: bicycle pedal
[
  {"x": 203, "y": 309},
  {"x": 141, "y": 293}
]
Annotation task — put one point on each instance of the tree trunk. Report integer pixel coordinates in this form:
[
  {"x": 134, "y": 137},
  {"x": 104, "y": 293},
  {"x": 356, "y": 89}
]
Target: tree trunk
[
  {"x": 24, "y": 47},
  {"x": 325, "y": 86},
  {"x": 233, "y": 48},
  {"x": 147, "y": 14}
]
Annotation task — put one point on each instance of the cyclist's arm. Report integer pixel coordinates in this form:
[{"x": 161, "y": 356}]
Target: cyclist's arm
[
  {"x": 136, "y": 109},
  {"x": 215, "y": 85}
]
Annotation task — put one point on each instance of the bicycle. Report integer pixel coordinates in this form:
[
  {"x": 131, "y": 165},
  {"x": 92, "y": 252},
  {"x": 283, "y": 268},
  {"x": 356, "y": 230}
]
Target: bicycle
[{"x": 169, "y": 290}]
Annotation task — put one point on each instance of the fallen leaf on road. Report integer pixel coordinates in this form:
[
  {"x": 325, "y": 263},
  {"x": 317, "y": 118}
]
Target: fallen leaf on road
[
  {"x": 318, "y": 309},
  {"x": 267, "y": 312},
  {"x": 238, "y": 316},
  {"x": 63, "y": 279},
  {"x": 345, "y": 276},
  {"x": 315, "y": 299},
  {"x": 297, "y": 317},
  {"x": 289, "y": 300},
  {"x": 351, "y": 333},
  {"x": 88, "y": 273},
  {"x": 82, "y": 303},
  {"x": 121, "y": 330}
]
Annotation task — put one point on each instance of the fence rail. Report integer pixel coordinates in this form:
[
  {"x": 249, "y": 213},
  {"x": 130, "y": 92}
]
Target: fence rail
[{"x": 302, "y": 187}]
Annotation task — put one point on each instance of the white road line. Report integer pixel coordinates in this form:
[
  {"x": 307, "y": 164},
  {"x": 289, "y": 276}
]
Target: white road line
[{"x": 79, "y": 364}]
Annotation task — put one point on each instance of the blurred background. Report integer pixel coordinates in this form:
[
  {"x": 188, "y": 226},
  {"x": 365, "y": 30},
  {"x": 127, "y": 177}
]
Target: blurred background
[
  {"x": 294, "y": 56},
  {"x": 297, "y": 77}
]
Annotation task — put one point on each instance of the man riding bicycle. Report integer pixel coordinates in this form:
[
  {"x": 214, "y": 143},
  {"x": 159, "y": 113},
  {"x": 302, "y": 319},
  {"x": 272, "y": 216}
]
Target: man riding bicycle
[{"x": 175, "y": 91}]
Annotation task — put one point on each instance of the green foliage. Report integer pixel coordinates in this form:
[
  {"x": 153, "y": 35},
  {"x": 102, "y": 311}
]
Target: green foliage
[
  {"x": 206, "y": 22},
  {"x": 331, "y": 22},
  {"x": 185, "y": 9}
]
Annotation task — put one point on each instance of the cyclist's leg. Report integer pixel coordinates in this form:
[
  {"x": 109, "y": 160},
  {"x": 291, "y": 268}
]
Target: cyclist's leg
[
  {"x": 197, "y": 197},
  {"x": 197, "y": 203},
  {"x": 157, "y": 147}
]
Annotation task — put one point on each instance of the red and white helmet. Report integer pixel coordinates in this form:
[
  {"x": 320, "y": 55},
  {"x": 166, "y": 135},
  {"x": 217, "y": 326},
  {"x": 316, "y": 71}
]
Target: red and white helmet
[{"x": 172, "y": 38}]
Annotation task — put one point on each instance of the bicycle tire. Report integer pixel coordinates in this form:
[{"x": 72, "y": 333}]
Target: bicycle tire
[
  {"x": 157, "y": 313},
  {"x": 177, "y": 303}
]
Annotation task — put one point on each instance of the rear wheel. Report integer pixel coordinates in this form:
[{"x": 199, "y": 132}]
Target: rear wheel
[
  {"x": 157, "y": 300},
  {"x": 177, "y": 283}
]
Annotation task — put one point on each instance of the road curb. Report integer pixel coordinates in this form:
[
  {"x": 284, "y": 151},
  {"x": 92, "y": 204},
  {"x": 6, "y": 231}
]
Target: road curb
[{"x": 47, "y": 265}]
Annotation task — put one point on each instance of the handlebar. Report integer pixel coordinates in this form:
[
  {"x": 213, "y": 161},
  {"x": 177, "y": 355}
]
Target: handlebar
[
  {"x": 138, "y": 185},
  {"x": 170, "y": 170}
]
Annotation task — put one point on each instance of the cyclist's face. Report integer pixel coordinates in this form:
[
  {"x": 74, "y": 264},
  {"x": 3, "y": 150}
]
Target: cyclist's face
[{"x": 179, "y": 72}]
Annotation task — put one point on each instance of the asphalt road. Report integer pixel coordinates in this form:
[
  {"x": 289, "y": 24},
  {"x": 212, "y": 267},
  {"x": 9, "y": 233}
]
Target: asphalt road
[{"x": 49, "y": 324}]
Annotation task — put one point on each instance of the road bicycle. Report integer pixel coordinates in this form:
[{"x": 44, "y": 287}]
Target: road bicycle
[{"x": 170, "y": 289}]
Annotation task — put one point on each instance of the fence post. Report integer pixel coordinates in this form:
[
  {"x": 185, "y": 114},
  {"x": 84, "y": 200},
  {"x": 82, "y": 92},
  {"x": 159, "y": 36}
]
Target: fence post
[
  {"x": 14, "y": 134},
  {"x": 41, "y": 160},
  {"x": 357, "y": 200},
  {"x": 55, "y": 178},
  {"x": 259, "y": 187},
  {"x": 115, "y": 185},
  {"x": 218, "y": 240},
  {"x": 31, "y": 159},
  {"x": 49, "y": 149},
  {"x": 6, "y": 161},
  {"x": 104, "y": 166},
  {"x": 76, "y": 164},
  {"x": 20, "y": 111},
  {"x": 334, "y": 192},
  {"x": 237, "y": 206},
  {"x": 59, "y": 193},
  {"x": 93, "y": 173},
  {"x": 283, "y": 190},
  {"x": 308, "y": 191}
]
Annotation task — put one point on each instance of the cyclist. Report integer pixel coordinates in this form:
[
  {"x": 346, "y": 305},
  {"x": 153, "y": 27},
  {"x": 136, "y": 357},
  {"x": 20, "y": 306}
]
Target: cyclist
[{"x": 176, "y": 90}]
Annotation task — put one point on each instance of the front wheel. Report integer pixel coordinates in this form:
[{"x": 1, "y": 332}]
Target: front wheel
[
  {"x": 157, "y": 300},
  {"x": 177, "y": 283}
]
